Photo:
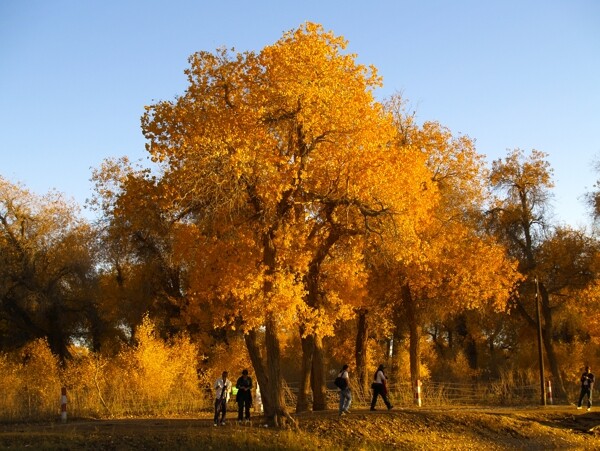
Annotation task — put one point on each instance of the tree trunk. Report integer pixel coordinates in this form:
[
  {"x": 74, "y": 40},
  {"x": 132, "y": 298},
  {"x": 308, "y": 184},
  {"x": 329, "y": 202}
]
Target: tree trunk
[
  {"x": 278, "y": 413},
  {"x": 546, "y": 313},
  {"x": 308, "y": 345},
  {"x": 362, "y": 338},
  {"x": 319, "y": 387},
  {"x": 558, "y": 385},
  {"x": 396, "y": 365},
  {"x": 57, "y": 338},
  {"x": 259, "y": 370},
  {"x": 414, "y": 334},
  {"x": 313, "y": 359}
]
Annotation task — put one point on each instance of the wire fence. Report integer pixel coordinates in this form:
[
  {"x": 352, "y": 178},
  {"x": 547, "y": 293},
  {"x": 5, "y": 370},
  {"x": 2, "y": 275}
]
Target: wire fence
[
  {"x": 85, "y": 403},
  {"x": 444, "y": 394}
]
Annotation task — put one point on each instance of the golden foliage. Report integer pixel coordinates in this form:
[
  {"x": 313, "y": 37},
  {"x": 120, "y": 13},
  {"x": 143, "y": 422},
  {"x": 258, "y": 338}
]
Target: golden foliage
[
  {"x": 154, "y": 369},
  {"x": 276, "y": 170},
  {"x": 30, "y": 383}
]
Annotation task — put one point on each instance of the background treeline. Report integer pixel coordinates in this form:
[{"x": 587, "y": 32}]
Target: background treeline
[{"x": 290, "y": 222}]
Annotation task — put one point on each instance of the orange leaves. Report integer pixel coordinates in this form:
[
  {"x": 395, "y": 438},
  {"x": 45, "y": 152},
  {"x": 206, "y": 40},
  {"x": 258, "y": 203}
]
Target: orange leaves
[
  {"x": 283, "y": 156},
  {"x": 519, "y": 174},
  {"x": 306, "y": 74},
  {"x": 277, "y": 156},
  {"x": 437, "y": 248}
]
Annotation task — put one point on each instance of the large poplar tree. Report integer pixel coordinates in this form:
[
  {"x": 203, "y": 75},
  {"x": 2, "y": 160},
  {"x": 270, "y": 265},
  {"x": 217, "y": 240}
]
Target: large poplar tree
[{"x": 277, "y": 156}]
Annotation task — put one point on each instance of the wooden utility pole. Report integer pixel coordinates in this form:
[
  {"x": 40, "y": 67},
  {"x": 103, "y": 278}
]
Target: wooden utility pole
[{"x": 540, "y": 343}]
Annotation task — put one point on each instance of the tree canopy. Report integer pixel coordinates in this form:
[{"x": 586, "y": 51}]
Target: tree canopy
[{"x": 290, "y": 210}]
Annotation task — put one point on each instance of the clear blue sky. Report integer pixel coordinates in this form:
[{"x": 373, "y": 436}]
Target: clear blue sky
[{"x": 75, "y": 75}]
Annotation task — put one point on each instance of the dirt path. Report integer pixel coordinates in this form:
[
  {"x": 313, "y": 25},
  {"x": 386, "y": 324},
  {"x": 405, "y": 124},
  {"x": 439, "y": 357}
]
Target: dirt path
[{"x": 410, "y": 428}]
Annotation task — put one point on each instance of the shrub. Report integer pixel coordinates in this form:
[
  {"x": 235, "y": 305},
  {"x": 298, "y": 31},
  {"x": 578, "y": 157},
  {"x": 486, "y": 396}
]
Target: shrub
[{"x": 30, "y": 383}]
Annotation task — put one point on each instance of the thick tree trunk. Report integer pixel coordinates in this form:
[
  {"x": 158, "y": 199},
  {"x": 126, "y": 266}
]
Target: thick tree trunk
[
  {"x": 57, "y": 338},
  {"x": 397, "y": 340},
  {"x": 308, "y": 345},
  {"x": 313, "y": 358},
  {"x": 98, "y": 327},
  {"x": 260, "y": 371},
  {"x": 278, "y": 414},
  {"x": 415, "y": 353},
  {"x": 319, "y": 387},
  {"x": 414, "y": 334},
  {"x": 362, "y": 339}
]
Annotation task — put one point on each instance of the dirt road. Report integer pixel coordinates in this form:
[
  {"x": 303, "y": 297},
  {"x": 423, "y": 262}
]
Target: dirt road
[{"x": 463, "y": 428}]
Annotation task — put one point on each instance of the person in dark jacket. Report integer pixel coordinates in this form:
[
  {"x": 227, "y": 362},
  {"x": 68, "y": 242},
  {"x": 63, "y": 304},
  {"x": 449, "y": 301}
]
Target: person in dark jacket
[
  {"x": 587, "y": 383},
  {"x": 244, "y": 396},
  {"x": 379, "y": 387}
]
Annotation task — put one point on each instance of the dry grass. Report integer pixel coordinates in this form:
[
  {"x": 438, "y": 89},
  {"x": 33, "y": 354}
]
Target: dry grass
[{"x": 406, "y": 429}]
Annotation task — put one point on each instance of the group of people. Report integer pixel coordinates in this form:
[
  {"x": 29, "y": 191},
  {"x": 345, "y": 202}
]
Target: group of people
[
  {"x": 243, "y": 397},
  {"x": 379, "y": 386}
]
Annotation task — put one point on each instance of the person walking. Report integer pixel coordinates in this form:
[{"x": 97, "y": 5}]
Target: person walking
[
  {"x": 244, "y": 396},
  {"x": 587, "y": 383},
  {"x": 343, "y": 383},
  {"x": 222, "y": 392},
  {"x": 379, "y": 387}
]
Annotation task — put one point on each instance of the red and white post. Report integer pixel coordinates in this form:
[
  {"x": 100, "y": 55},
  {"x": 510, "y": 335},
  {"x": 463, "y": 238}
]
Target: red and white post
[
  {"x": 63, "y": 404},
  {"x": 417, "y": 391},
  {"x": 549, "y": 392}
]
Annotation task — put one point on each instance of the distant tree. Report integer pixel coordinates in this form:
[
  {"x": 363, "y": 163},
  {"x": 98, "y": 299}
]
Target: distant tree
[
  {"x": 593, "y": 197},
  {"x": 47, "y": 270},
  {"x": 139, "y": 232},
  {"x": 520, "y": 218},
  {"x": 452, "y": 265}
]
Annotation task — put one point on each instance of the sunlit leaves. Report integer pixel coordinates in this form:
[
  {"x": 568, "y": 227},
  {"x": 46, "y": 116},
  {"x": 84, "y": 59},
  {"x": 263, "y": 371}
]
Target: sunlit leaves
[{"x": 286, "y": 145}]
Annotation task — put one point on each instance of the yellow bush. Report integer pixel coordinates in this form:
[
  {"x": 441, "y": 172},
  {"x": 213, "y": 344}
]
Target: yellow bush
[
  {"x": 39, "y": 383},
  {"x": 82, "y": 376},
  {"x": 11, "y": 382},
  {"x": 153, "y": 376}
]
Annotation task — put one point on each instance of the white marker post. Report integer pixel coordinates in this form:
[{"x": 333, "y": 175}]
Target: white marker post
[
  {"x": 418, "y": 393},
  {"x": 63, "y": 404}
]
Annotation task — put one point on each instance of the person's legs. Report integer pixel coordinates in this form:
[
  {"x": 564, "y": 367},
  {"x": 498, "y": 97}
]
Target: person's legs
[
  {"x": 244, "y": 408},
  {"x": 223, "y": 410},
  {"x": 589, "y": 395},
  {"x": 348, "y": 399},
  {"x": 217, "y": 406},
  {"x": 247, "y": 409},
  {"x": 240, "y": 409},
  {"x": 345, "y": 400},
  {"x": 375, "y": 393},
  {"x": 385, "y": 400},
  {"x": 581, "y": 395}
]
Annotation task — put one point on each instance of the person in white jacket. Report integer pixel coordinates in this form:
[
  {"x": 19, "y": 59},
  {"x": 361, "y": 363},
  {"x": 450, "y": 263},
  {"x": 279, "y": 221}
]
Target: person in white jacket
[{"x": 222, "y": 392}]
